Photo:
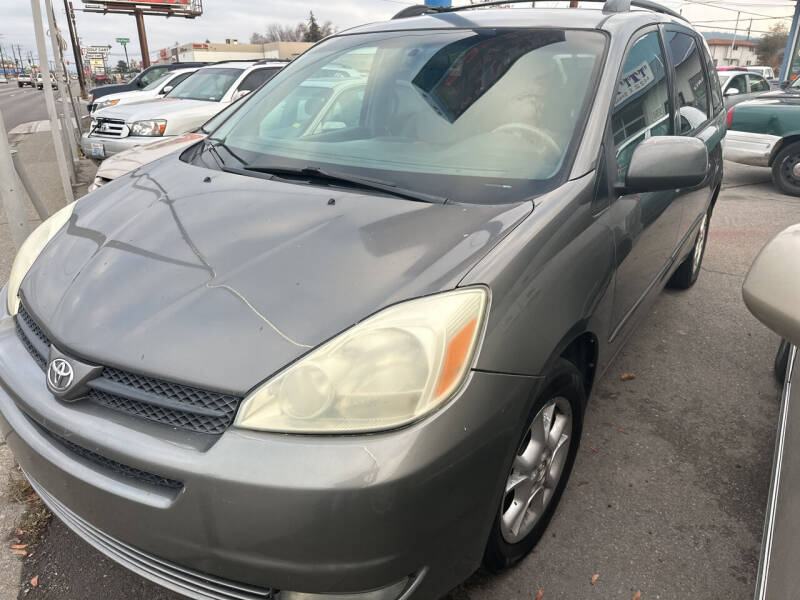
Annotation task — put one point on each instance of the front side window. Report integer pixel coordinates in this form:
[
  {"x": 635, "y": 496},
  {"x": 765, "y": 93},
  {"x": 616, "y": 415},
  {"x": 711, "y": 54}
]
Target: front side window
[
  {"x": 158, "y": 82},
  {"x": 174, "y": 82},
  {"x": 739, "y": 83},
  {"x": 690, "y": 80},
  {"x": 482, "y": 115},
  {"x": 206, "y": 84},
  {"x": 641, "y": 106},
  {"x": 254, "y": 79}
]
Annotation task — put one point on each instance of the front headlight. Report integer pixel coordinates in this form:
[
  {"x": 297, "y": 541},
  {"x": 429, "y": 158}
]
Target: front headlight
[
  {"x": 149, "y": 128},
  {"x": 105, "y": 104},
  {"x": 30, "y": 250},
  {"x": 387, "y": 371}
]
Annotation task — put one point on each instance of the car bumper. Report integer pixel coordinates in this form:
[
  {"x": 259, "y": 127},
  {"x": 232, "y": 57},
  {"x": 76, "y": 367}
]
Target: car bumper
[
  {"x": 310, "y": 514},
  {"x": 100, "y": 147},
  {"x": 754, "y": 149}
]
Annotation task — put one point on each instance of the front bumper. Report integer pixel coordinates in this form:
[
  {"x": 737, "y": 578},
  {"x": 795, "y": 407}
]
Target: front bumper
[
  {"x": 111, "y": 146},
  {"x": 756, "y": 149},
  {"x": 309, "y": 514}
]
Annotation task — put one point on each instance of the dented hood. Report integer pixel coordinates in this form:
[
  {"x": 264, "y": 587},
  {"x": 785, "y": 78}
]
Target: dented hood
[{"x": 219, "y": 280}]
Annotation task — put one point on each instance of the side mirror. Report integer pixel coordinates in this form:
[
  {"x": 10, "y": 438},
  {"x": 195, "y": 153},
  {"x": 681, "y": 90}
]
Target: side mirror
[
  {"x": 732, "y": 92},
  {"x": 241, "y": 94},
  {"x": 167, "y": 89},
  {"x": 771, "y": 289},
  {"x": 333, "y": 125},
  {"x": 666, "y": 163},
  {"x": 785, "y": 84}
]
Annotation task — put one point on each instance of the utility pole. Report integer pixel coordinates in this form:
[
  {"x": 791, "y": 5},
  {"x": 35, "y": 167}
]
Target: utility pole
[
  {"x": 142, "y": 38},
  {"x": 50, "y": 101},
  {"x": 76, "y": 49},
  {"x": 733, "y": 41}
]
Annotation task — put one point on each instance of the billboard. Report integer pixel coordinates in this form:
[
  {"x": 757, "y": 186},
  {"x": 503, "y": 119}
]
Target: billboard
[{"x": 183, "y": 8}]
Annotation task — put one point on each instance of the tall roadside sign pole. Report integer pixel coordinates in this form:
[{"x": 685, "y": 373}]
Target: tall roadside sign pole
[
  {"x": 124, "y": 43},
  {"x": 142, "y": 38},
  {"x": 50, "y": 101},
  {"x": 76, "y": 49}
]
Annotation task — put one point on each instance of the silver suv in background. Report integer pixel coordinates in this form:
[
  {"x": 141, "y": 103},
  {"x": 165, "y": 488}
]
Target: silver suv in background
[{"x": 184, "y": 108}]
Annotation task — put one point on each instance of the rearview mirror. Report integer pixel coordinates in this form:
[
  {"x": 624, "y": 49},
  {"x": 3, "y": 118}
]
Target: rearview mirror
[
  {"x": 666, "y": 163},
  {"x": 732, "y": 92},
  {"x": 167, "y": 89},
  {"x": 771, "y": 289}
]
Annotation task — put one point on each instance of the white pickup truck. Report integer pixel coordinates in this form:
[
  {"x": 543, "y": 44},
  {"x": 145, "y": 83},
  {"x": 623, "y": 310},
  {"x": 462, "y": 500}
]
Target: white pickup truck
[{"x": 23, "y": 80}]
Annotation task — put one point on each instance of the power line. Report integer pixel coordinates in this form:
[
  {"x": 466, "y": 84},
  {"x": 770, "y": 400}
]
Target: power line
[{"x": 744, "y": 12}]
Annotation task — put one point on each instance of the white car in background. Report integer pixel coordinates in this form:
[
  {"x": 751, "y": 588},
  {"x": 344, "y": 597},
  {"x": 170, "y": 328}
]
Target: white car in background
[
  {"x": 190, "y": 104},
  {"x": 160, "y": 87}
]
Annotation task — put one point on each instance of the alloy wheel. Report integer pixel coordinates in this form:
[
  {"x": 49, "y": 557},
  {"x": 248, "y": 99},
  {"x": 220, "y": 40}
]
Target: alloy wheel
[{"x": 537, "y": 470}]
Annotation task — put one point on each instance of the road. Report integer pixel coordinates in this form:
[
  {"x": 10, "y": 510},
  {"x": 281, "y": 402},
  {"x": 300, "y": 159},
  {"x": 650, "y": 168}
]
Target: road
[
  {"x": 20, "y": 105},
  {"x": 670, "y": 485}
]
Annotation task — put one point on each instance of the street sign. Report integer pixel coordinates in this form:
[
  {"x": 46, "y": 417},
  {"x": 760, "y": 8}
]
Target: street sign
[{"x": 123, "y": 41}]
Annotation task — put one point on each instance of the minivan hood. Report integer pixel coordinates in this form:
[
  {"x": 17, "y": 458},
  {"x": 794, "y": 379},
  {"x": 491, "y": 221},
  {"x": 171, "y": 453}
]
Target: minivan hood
[
  {"x": 218, "y": 280},
  {"x": 160, "y": 108}
]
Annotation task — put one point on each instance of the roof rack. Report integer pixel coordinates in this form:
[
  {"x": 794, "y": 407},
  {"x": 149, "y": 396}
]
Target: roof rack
[{"x": 609, "y": 6}]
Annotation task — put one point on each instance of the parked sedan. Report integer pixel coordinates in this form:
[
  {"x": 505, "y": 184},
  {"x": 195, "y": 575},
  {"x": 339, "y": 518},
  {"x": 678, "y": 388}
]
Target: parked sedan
[
  {"x": 353, "y": 363},
  {"x": 772, "y": 293},
  {"x": 765, "y": 132},
  {"x": 160, "y": 87},
  {"x": 738, "y": 87},
  {"x": 190, "y": 104}
]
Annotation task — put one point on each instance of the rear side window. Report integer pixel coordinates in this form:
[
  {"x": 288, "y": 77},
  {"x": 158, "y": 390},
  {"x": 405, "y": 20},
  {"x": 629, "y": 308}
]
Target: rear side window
[
  {"x": 690, "y": 80},
  {"x": 256, "y": 78},
  {"x": 641, "y": 107},
  {"x": 758, "y": 84}
]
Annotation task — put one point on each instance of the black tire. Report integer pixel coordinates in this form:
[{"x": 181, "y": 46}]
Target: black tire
[
  {"x": 786, "y": 170},
  {"x": 687, "y": 273},
  {"x": 564, "y": 381},
  {"x": 782, "y": 361}
]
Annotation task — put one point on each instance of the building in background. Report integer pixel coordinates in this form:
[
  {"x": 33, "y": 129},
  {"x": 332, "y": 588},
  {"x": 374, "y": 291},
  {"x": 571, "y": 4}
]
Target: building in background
[
  {"x": 231, "y": 50},
  {"x": 742, "y": 55}
]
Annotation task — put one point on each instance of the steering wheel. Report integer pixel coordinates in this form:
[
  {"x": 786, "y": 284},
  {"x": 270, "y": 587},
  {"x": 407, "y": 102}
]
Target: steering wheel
[{"x": 524, "y": 128}]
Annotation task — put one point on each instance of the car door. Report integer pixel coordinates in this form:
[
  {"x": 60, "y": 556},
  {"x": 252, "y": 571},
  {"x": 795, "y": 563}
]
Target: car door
[
  {"x": 698, "y": 114},
  {"x": 646, "y": 224}
]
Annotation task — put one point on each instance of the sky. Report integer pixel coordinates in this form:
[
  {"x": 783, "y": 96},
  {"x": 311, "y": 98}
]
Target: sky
[{"x": 240, "y": 18}]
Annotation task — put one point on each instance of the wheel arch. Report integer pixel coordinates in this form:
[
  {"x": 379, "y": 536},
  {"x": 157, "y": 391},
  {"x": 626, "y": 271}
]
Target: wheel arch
[
  {"x": 784, "y": 141},
  {"x": 579, "y": 346}
]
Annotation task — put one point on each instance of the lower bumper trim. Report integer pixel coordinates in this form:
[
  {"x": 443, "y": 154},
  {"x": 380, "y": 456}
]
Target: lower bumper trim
[{"x": 179, "y": 579}]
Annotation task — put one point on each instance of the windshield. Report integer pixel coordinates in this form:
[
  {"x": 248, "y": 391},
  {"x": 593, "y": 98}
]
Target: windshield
[
  {"x": 485, "y": 115},
  {"x": 206, "y": 84},
  {"x": 158, "y": 82}
]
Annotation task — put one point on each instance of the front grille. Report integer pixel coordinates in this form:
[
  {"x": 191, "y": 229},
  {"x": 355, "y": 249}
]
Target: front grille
[
  {"x": 114, "y": 128},
  {"x": 116, "y": 467},
  {"x": 32, "y": 336},
  {"x": 164, "y": 402},
  {"x": 183, "y": 580},
  {"x": 172, "y": 404}
]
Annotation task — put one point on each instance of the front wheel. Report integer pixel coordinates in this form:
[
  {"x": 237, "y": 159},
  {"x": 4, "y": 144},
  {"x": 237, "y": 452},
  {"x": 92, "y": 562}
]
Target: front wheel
[
  {"x": 540, "y": 468},
  {"x": 686, "y": 274},
  {"x": 786, "y": 170}
]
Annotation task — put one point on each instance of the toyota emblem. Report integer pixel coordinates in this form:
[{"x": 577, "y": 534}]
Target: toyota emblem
[{"x": 60, "y": 374}]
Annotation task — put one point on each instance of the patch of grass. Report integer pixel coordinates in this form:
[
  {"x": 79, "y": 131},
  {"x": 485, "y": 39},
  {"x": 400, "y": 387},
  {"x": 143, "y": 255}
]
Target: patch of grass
[{"x": 36, "y": 515}]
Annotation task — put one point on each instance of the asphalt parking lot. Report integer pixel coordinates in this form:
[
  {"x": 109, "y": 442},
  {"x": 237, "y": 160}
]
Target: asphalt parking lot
[{"x": 668, "y": 493}]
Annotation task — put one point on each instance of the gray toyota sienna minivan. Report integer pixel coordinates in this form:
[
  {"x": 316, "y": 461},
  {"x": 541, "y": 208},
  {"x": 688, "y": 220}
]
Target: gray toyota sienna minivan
[{"x": 341, "y": 348}]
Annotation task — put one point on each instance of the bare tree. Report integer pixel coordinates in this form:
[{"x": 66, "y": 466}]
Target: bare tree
[{"x": 286, "y": 33}]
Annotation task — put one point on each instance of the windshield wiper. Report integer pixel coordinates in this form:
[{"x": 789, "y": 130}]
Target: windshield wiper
[{"x": 341, "y": 178}]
